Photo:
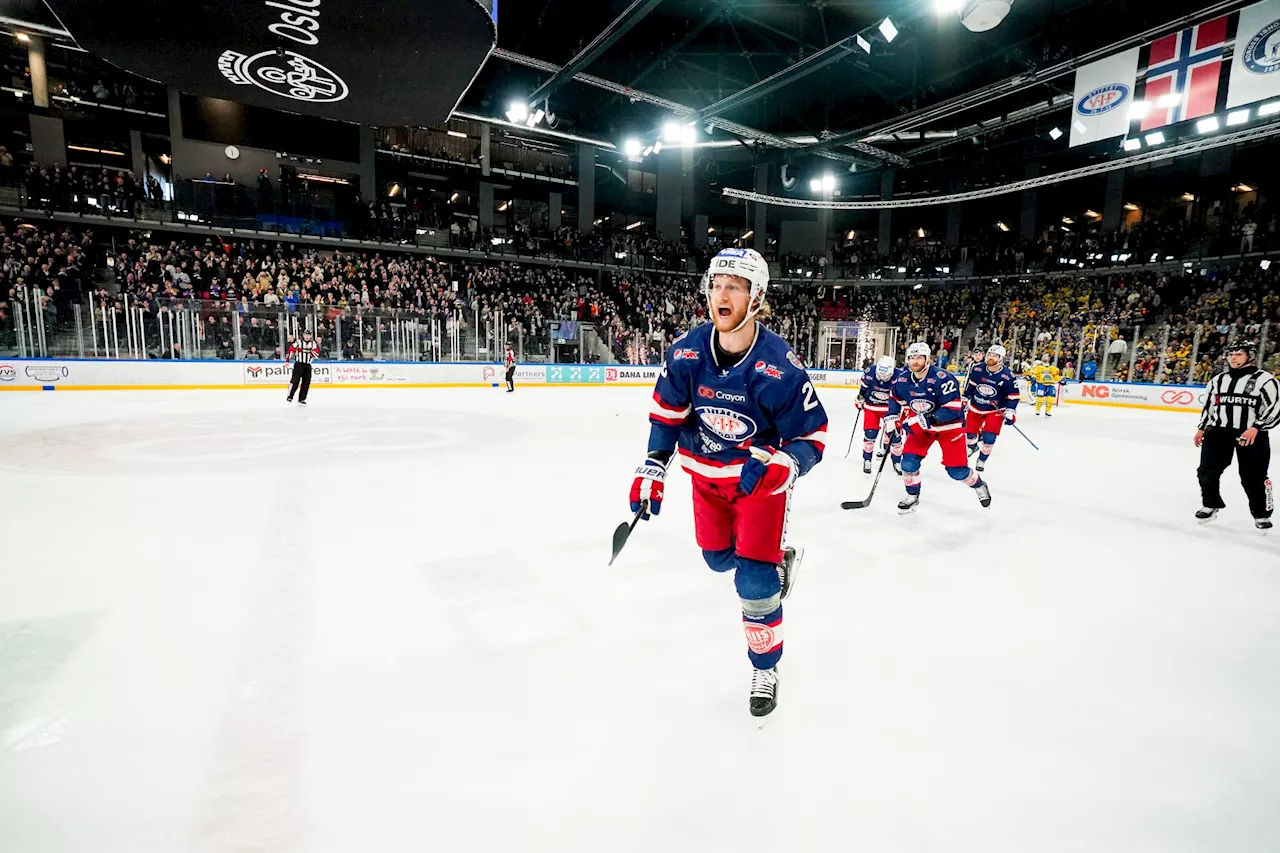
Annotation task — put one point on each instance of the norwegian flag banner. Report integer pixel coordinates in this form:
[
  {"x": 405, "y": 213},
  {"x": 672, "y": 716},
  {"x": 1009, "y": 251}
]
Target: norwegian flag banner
[{"x": 1183, "y": 73}]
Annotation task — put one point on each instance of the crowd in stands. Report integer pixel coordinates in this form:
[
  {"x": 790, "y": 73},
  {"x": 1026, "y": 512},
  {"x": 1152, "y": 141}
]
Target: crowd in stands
[{"x": 636, "y": 314}]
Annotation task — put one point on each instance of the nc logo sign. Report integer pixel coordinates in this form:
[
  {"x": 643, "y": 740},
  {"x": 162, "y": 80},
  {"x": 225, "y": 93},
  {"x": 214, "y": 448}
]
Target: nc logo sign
[{"x": 1100, "y": 392}]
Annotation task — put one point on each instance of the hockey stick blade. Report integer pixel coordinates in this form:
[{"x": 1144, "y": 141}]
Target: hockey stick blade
[
  {"x": 863, "y": 504},
  {"x": 623, "y": 532}
]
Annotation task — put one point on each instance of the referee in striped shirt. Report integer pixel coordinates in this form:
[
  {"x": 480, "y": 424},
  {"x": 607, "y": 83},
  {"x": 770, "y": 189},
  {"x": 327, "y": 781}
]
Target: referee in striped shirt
[
  {"x": 1240, "y": 406},
  {"x": 301, "y": 353}
]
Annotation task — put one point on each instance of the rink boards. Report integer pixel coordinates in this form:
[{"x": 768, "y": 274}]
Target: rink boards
[{"x": 134, "y": 375}]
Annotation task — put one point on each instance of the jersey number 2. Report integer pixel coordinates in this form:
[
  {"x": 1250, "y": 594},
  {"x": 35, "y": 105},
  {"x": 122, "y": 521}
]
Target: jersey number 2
[
  {"x": 948, "y": 387},
  {"x": 810, "y": 401}
]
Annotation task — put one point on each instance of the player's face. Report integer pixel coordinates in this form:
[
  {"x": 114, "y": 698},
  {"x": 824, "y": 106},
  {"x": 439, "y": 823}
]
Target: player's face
[
  {"x": 1237, "y": 359},
  {"x": 918, "y": 363},
  {"x": 993, "y": 360},
  {"x": 730, "y": 297}
]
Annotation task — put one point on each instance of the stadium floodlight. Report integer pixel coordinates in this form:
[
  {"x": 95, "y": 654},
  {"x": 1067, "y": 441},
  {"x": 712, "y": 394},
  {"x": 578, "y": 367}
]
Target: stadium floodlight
[
  {"x": 1266, "y": 265},
  {"x": 1170, "y": 100},
  {"x": 657, "y": 147},
  {"x": 647, "y": 151},
  {"x": 1155, "y": 137},
  {"x": 828, "y": 182},
  {"x": 1237, "y": 117},
  {"x": 948, "y": 7},
  {"x": 863, "y": 43},
  {"x": 671, "y": 131},
  {"x": 517, "y": 112},
  {"x": 815, "y": 185},
  {"x": 888, "y": 30},
  {"x": 688, "y": 134},
  {"x": 1055, "y": 134},
  {"x": 631, "y": 147},
  {"x": 1269, "y": 109},
  {"x": 902, "y": 270},
  {"x": 535, "y": 117},
  {"x": 1208, "y": 125},
  {"x": 1002, "y": 226},
  {"x": 1138, "y": 110},
  {"x": 1132, "y": 144}
]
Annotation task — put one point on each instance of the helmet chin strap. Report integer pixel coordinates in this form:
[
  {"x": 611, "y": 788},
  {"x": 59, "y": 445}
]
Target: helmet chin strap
[{"x": 751, "y": 312}]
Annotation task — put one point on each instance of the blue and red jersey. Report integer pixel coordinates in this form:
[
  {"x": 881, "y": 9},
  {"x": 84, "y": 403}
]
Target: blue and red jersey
[
  {"x": 874, "y": 393},
  {"x": 930, "y": 403},
  {"x": 989, "y": 391},
  {"x": 715, "y": 411}
]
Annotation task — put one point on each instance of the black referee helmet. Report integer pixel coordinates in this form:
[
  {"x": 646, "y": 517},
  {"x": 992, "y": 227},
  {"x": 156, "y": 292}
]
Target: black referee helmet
[{"x": 1246, "y": 347}]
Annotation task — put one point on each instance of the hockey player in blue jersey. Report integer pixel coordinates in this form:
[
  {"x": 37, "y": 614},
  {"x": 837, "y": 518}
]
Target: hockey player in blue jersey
[
  {"x": 992, "y": 394},
  {"x": 873, "y": 399},
  {"x": 737, "y": 403},
  {"x": 926, "y": 401}
]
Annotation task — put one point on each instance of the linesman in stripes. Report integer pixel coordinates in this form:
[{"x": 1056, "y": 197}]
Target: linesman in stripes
[
  {"x": 1241, "y": 405},
  {"x": 301, "y": 354}
]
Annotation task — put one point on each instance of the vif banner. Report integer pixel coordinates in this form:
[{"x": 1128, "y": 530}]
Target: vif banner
[{"x": 1103, "y": 97}]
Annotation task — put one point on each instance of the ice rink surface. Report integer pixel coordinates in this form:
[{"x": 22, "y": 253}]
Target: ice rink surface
[{"x": 385, "y": 623}]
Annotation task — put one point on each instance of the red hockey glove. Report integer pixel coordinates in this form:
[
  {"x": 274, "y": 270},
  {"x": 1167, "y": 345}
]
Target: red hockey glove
[
  {"x": 648, "y": 486},
  {"x": 1010, "y": 417},
  {"x": 767, "y": 472}
]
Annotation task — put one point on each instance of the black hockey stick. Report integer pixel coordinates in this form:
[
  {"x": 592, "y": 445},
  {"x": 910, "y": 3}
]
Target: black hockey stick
[
  {"x": 1024, "y": 435},
  {"x": 855, "y": 432},
  {"x": 624, "y": 531},
  {"x": 866, "y": 503}
]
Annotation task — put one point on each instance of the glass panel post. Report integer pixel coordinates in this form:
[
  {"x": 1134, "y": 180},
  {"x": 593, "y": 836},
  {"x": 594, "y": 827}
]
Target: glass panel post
[{"x": 1164, "y": 351}]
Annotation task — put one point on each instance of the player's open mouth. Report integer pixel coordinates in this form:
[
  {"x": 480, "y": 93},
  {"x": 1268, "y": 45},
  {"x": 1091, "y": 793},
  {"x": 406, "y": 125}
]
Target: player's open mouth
[{"x": 724, "y": 311}]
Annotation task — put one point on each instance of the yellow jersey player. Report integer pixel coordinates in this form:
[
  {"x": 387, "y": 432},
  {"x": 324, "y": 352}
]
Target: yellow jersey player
[{"x": 1044, "y": 384}]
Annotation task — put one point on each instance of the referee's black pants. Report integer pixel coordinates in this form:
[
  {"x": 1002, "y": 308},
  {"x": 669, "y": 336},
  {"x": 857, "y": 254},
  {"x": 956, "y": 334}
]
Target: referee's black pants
[
  {"x": 511, "y": 379},
  {"x": 301, "y": 375},
  {"x": 1215, "y": 457}
]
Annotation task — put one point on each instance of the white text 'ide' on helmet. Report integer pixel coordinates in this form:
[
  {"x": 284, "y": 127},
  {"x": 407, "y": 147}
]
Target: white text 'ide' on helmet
[
  {"x": 885, "y": 367},
  {"x": 746, "y": 263}
]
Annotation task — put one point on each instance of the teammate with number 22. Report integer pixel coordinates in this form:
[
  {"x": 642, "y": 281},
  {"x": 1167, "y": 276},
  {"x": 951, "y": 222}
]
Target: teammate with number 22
[
  {"x": 926, "y": 401},
  {"x": 738, "y": 404}
]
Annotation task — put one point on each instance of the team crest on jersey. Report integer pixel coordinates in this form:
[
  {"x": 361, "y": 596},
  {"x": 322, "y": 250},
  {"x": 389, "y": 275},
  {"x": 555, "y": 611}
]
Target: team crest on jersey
[
  {"x": 685, "y": 354},
  {"x": 768, "y": 370},
  {"x": 924, "y": 407},
  {"x": 726, "y": 423},
  {"x": 795, "y": 361},
  {"x": 880, "y": 396},
  {"x": 986, "y": 391}
]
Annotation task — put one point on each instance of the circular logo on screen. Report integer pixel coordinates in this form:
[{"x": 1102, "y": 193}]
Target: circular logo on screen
[
  {"x": 284, "y": 73},
  {"x": 1262, "y": 55}
]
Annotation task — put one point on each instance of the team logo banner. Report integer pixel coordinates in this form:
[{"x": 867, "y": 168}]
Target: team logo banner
[
  {"x": 391, "y": 62},
  {"x": 1255, "y": 72},
  {"x": 1103, "y": 98}
]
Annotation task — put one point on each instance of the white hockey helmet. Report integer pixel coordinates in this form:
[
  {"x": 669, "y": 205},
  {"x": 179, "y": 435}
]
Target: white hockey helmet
[
  {"x": 918, "y": 348},
  {"x": 745, "y": 263},
  {"x": 885, "y": 367},
  {"x": 996, "y": 349}
]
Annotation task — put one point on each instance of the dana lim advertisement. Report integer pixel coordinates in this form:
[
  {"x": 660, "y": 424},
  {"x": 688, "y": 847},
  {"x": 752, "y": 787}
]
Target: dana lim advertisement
[{"x": 391, "y": 62}]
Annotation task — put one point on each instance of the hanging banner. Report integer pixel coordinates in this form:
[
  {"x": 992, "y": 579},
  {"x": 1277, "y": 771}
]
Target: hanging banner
[
  {"x": 1184, "y": 70},
  {"x": 385, "y": 63},
  {"x": 1103, "y": 96},
  {"x": 1254, "y": 74}
]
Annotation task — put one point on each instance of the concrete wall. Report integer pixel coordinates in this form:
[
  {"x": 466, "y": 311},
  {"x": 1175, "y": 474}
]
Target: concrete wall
[{"x": 48, "y": 140}]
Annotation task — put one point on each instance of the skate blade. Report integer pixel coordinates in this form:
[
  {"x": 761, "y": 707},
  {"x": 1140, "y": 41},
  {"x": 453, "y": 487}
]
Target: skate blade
[
  {"x": 795, "y": 572},
  {"x": 908, "y": 510}
]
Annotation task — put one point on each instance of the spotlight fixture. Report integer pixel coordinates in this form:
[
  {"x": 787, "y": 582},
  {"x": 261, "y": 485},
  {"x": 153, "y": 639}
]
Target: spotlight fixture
[
  {"x": 863, "y": 43},
  {"x": 1266, "y": 265},
  {"x": 1155, "y": 138},
  {"x": 948, "y": 7},
  {"x": 1269, "y": 109},
  {"x": 1002, "y": 226},
  {"x": 671, "y": 132},
  {"x": 888, "y": 30},
  {"x": 24, "y": 38},
  {"x": 828, "y": 182},
  {"x": 647, "y": 151},
  {"x": 536, "y": 117},
  {"x": 631, "y": 147},
  {"x": 1055, "y": 134},
  {"x": 1170, "y": 100},
  {"x": 1188, "y": 197},
  {"x": 1138, "y": 110},
  {"x": 689, "y": 134},
  {"x": 1237, "y": 117},
  {"x": 978, "y": 16},
  {"x": 1207, "y": 125},
  {"x": 1242, "y": 188},
  {"x": 657, "y": 147},
  {"x": 459, "y": 134},
  {"x": 815, "y": 185},
  {"x": 1132, "y": 144},
  {"x": 517, "y": 112},
  {"x": 1130, "y": 206}
]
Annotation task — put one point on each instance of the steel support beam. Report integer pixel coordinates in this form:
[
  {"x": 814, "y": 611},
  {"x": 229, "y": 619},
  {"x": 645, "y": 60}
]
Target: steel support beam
[
  {"x": 680, "y": 45},
  {"x": 620, "y": 25}
]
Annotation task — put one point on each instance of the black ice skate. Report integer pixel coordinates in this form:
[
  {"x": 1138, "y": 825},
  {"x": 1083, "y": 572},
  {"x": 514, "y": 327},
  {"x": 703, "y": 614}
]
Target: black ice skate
[
  {"x": 984, "y": 494},
  {"x": 908, "y": 504},
  {"x": 866, "y": 466},
  {"x": 981, "y": 465},
  {"x": 1205, "y": 514},
  {"x": 288, "y": 399},
  {"x": 1263, "y": 524},
  {"x": 1048, "y": 414},
  {"x": 789, "y": 569},
  {"x": 764, "y": 692},
  {"x": 302, "y": 402}
]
